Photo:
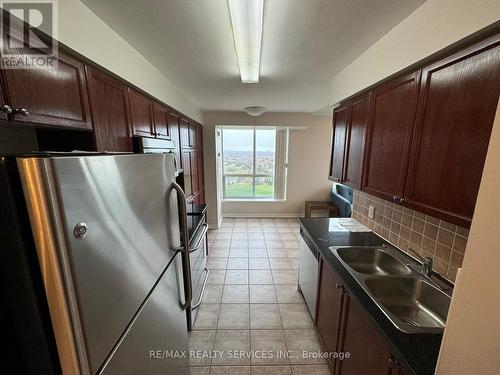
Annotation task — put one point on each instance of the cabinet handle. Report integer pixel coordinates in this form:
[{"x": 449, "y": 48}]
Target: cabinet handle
[
  {"x": 341, "y": 288},
  {"x": 403, "y": 201},
  {"x": 22, "y": 111},
  {"x": 6, "y": 108},
  {"x": 393, "y": 363},
  {"x": 396, "y": 199}
]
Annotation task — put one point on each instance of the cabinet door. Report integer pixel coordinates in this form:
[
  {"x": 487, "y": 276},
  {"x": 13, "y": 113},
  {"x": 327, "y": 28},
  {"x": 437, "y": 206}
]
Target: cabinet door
[
  {"x": 193, "y": 134},
  {"x": 194, "y": 172},
  {"x": 369, "y": 352},
  {"x": 173, "y": 130},
  {"x": 201, "y": 177},
  {"x": 3, "y": 101},
  {"x": 338, "y": 143},
  {"x": 329, "y": 308},
  {"x": 161, "y": 121},
  {"x": 109, "y": 108},
  {"x": 141, "y": 114},
  {"x": 184, "y": 132},
  {"x": 458, "y": 99},
  {"x": 391, "y": 123},
  {"x": 186, "y": 166},
  {"x": 54, "y": 95},
  {"x": 199, "y": 136},
  {"x": 355, "y": 148}
]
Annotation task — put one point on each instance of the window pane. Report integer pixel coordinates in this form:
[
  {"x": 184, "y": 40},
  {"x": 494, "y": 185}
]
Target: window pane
[
  {"x": 265, "y": 144},
  {"x": 238, "y": 150},
  {"x": 235, "y": 187},
  {"x": 264, "y": 187}
]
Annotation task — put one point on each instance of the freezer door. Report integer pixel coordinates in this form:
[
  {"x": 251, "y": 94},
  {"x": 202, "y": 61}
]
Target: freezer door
[
  {"x": 111, "y": 223},
  {"x": 156, "y": 343}
]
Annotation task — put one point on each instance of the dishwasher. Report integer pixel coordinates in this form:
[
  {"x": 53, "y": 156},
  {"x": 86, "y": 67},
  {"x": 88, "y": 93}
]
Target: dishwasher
[{"x": 308, "y": 274}]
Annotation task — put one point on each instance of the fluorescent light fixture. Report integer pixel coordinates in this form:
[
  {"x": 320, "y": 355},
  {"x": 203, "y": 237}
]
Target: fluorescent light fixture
[{"x": 246, "y": 20}]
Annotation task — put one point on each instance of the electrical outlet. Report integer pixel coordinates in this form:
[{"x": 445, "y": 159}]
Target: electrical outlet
[{"x": 371, "y": 211}]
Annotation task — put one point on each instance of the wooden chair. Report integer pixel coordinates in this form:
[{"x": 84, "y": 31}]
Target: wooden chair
[{"x": 333, "y": 210}]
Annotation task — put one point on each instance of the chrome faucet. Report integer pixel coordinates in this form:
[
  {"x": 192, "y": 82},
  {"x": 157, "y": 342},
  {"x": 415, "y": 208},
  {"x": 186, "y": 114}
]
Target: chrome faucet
[{"x": 426, "y": 262}]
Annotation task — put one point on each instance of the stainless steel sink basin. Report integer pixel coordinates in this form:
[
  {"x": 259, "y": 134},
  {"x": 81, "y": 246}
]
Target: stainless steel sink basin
[
  {"x": 411, "y": 303},
  {"x": 411, "y": 300},
  {"x": 372, "y": 261}
]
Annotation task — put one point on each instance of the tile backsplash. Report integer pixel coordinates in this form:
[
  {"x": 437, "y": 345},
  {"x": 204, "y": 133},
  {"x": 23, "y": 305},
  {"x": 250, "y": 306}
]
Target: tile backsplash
[{"x": 408, "y": 229}]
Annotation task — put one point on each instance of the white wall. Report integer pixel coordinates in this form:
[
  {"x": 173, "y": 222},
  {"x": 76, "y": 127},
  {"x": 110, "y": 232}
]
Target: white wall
[
  {"x": 433, "y": 26},
  {"x": 308, "y": 162},
  {"x": 83, "y": 31},
  {"x": 471, "y": 342}
]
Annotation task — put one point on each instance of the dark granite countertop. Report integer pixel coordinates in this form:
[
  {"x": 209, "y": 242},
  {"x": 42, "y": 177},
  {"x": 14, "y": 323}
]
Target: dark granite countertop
[{"x": 417, "y": 353}]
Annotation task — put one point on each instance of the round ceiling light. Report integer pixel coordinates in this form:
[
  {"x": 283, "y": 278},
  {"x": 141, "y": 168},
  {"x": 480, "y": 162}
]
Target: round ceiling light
[{"x": 254, "y": 110}]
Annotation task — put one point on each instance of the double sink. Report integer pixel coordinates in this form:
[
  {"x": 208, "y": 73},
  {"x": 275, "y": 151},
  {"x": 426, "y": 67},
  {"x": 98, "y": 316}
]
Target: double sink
[{"x": 412, "y": 301}]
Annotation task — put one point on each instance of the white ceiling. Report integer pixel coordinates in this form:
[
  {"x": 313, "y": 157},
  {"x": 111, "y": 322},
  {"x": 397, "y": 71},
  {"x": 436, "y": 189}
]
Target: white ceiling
[{"x": 305, "y": 42}]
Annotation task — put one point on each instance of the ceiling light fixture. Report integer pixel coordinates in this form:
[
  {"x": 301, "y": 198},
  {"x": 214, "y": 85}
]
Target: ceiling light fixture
[
  {"x": 254, "y": 110},
  {"x": 246, "y": 20}
]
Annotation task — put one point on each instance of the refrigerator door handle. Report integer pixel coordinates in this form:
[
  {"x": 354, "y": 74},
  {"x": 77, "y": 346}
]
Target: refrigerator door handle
[
  {"x": 184, "y": 248},
  {"x": 198, "y": 242}
]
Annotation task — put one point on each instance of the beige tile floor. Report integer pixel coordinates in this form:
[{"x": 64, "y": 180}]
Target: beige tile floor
[{"x": 252, "y": 304}]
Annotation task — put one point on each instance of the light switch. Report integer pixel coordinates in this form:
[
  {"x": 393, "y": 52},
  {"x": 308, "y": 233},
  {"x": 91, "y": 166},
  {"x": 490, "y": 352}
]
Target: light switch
[{"x": 371, "y": 210}]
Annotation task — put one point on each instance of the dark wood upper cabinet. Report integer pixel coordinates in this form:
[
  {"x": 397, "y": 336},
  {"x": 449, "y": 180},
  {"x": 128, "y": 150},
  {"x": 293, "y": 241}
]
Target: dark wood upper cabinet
[
  {"x": 193, "y": 134},
  {"x": 161, "y": 121},
  {"x": 109, "y": 107},
  {"x": 201, "y": 177},
  {"x": 141, "y": 114},
  {"x": 3, "y": 102},
  {"x": 340, "y": 115},
  {"x": 54, "y": 96},
  {"x": 184, "y": 132},
  {"x": 173, "y": 130},
  {"x": 194, "y": 172},
  {"x": 355, "y": 144},
  {"x": 199, "y": 136},
  {"x": 390, "y": 128},
  {"x": 368, "y": 350},
  {"x": 329, "y": 313},
  {"x": 188, "y": 179},
  {"x": 457, "y": 104}
]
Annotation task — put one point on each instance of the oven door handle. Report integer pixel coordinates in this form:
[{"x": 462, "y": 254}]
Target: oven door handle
[
  {"x": 198, "y": 303},
  {"x": 198, "y": 240},
  {"x": 184, "y": 248}
]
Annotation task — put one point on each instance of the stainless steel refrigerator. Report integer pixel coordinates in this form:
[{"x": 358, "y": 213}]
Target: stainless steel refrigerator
[{"x": 112, "y": 242}]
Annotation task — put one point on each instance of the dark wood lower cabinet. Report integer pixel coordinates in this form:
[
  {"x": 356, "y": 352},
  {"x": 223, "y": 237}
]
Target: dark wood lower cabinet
[
  {"x": 343, "y": 326},
  {"x": 329, "y": 309},
  {"x": 368, "y": 351}
]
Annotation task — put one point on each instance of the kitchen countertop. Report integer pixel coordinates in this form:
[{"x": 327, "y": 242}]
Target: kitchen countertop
[{"x": 418, "y": 352}]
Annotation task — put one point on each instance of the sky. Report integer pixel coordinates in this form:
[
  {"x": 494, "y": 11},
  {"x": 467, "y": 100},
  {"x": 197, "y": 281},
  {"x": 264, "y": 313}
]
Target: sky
[{"x": 242, "y": 139}]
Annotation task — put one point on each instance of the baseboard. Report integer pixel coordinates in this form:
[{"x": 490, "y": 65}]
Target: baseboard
[
  {"x": 264, "y": 215},
  {"x": 218, "y": 225}
]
